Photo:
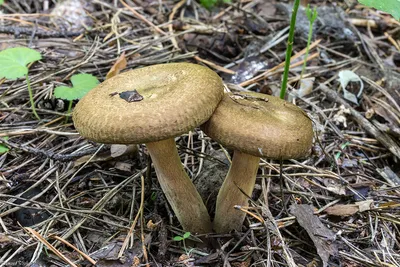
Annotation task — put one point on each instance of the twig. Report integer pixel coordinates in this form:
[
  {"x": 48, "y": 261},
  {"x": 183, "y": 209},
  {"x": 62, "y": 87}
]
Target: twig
[
  {"x": 171, "y": 18},
  {"x": 132, "y": 228},
  {"x": 48, "y": 245},
  {"x": 50, "y": 155},
  {"x": 385, "y": 139},
  {"x": 87, "y": 257},
  {"x": 137, "y": 14}
]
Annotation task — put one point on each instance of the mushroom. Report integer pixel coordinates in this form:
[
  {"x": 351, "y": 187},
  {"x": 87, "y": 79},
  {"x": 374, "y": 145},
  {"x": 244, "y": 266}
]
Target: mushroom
[
  {"x": 152, "y": 105},
  {"x": 254, "y": 125}
]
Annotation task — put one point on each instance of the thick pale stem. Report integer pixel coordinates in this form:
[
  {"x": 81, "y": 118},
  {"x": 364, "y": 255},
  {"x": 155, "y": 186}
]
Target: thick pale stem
[
  {"x": 178, "y": 188},
  {"x": 242, "y": 174}
]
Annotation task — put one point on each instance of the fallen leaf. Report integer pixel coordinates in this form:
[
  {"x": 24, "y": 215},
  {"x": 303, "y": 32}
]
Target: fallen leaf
[
  {"x": 345, "y": 78},
  {"x": 306, "y": 86},
  {"x": 107, "y": 256},
  {"x": 115, "y": 152},
  {"x": 322, "y": 237},
  {"x": 119, "y": 65},
  {"x": 151, "y": 226},
  {"x": 120, "y": 150},
  {"x": 245, "y": 263},
  {"x": 365, "y": 205},
  {"x": 349, "y": 209},
  {"x": 123, "y": 166},
  {"x": 4, "y": 240},
  {"x": 342, "y": 210}
]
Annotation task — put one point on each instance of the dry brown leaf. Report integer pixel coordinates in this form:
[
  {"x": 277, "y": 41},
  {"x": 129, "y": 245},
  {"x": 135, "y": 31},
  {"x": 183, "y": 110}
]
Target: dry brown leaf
[
  {"x": 349, "y": 209},
  {"x": 4, "y": 240},
  {"x": 120, "y": 150},
  {"x": 123, "y": 166},
  {"x": 364, "y": 205},
  {"x": 115, "y": 152},
  {"x": 342, "y": 210},
  {"x": 119, "y": 65},
  {"x": 150, "y": 225},
  {"x": 245, "y": 263},
  {"x": 322, "y": 237}
]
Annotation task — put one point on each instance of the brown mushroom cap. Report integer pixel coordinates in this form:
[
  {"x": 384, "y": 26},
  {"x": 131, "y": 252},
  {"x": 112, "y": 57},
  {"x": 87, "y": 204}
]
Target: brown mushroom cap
[
  {"x": 177, "y": 97},
  {"x": 260, "y": 125}
]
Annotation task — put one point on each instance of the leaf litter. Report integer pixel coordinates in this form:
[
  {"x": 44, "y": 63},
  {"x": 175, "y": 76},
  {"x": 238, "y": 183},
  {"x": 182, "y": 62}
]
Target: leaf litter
[{"x": 348, "y": 188}]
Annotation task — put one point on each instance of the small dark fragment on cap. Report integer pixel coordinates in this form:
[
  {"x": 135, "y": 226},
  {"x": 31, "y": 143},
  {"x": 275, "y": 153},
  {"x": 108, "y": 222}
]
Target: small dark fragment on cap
[{"x": 131, "y": 96}]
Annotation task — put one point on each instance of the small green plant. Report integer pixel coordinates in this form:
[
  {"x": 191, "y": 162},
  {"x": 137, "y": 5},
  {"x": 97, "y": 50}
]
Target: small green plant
[
  {"x": 289, "y": 49},
  {"x": 390, "y": 6},
  {"x": 4, "y": 148},
  {"x": 153, "y": 196},
  {"x": 81, "y": 85},
  {"x": 13, "y": 65},
  {"x": 311, "y": 15},
  {"x": 212, "y": 3},
  {"x": 182, "y": 238}
]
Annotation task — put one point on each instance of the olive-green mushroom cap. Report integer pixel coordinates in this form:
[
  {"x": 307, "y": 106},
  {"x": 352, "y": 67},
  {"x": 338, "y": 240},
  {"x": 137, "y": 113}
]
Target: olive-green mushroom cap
[
  {"x": 170, "y": 99},
  {"x": 260, "y": 125}
]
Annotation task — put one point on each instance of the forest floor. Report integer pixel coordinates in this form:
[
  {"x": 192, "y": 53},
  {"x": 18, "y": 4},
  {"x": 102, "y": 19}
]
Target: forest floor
[{"x": 340, "y": 206}]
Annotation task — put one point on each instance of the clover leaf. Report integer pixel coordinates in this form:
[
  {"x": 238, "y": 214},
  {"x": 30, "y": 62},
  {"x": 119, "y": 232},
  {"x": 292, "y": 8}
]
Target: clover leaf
[
  {"x": 390, "y": 6},
  {"x": 13, "y": 61},
  {"x": 81, "y": 85}
]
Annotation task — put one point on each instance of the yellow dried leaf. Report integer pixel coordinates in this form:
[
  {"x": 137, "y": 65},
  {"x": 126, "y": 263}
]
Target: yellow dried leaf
[{"x": 119, "y": 65}]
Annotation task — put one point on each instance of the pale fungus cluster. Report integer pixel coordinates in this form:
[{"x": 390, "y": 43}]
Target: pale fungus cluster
[{"x": 152, "y": 105}]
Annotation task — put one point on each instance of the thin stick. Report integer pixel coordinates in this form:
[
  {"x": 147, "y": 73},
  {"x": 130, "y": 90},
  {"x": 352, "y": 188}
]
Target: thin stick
[
  {"x": 37, "y": 236},
  {"x": 125, "y": 244},
  {"x": 87, "y": 257},
  {"x": 143, "y": 18}
]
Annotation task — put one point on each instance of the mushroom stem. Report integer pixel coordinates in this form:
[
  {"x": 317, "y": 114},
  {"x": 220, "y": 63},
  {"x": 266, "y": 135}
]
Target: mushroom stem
[
  {"x": 238, "y": 184},
  {"x": 178, "y": 188}
]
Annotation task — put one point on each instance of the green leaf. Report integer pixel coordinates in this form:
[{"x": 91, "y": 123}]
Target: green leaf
[
  {"x": 211, "y": 3},
  {"x": 186, "y": 235},
  {"x": 81, "y": 85},
  {"x": 1, "y": 2},
  {"x": 208, "y": 3},
  {"x": 311, "y": 14},
  {"x": 178, "y": 238},
  {"x": 4, "y": 148},
  {"x": 390, "y": 6},
  {"x": 13, "y": 61}
]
